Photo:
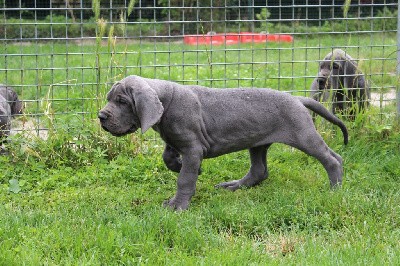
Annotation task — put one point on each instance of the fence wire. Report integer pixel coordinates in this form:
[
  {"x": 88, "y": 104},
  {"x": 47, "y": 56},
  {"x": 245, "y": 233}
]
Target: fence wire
[{"x": 61, "y": 56}]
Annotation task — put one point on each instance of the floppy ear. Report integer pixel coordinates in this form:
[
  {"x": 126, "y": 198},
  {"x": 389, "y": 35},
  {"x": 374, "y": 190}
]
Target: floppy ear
[
  {"x": 147, "y": 105},
  {"x": 350, "y": 70},
  {"x": 315, "y": 91}
]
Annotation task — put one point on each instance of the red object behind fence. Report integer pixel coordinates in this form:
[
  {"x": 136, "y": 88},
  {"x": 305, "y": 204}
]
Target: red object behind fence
[{"x": 234, "y": 38}]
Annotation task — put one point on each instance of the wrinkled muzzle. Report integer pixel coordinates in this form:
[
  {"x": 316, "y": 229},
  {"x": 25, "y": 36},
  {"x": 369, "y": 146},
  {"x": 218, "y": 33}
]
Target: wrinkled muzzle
[
  {"x": 116, "y": 123},
  {"x": 103, "y": 119}
]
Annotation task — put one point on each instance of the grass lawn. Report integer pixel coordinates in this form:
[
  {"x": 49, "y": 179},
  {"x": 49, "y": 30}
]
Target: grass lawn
[
  {"x": 109, "y": 212},
  {"x": 83, "y": 197}
]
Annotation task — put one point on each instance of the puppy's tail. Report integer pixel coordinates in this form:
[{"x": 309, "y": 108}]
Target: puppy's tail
[{"x": 318, "y": 108}]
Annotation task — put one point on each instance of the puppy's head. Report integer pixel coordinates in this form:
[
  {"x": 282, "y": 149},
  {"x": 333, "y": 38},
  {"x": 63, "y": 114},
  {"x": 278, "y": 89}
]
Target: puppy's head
[
  {"x": 335, "y": 67},
  {"x": 132, "y": 104},
  {"x": 332, "y": 65}
]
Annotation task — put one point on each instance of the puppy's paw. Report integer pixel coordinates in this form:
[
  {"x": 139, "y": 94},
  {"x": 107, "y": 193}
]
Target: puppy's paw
[
  {"x": 176, "y": 204},
  {"x": 231, "y": 185}
]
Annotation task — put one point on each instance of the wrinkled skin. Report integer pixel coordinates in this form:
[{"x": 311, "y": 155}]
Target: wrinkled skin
[
  {"x": 341, "y": 82},
  {"x": 197, "y": 123}
]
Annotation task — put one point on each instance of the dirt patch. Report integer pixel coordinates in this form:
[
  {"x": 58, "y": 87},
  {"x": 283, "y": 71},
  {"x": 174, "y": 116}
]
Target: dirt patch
[
  {"x": 385, "y": 98},
  {"x": 29, "y": 129}
]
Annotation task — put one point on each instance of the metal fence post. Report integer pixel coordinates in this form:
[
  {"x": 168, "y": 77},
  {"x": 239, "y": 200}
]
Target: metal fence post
[{"x": 398, "y": 60}]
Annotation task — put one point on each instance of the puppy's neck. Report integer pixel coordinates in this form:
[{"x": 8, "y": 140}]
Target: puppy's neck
[{"x": 165, "y": 92}]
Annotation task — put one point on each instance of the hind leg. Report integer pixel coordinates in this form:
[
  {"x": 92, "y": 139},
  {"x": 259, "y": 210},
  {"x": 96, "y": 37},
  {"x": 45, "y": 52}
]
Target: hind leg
[
  {"x": 257, "y": 173},
  {"x": 337, "y": 156},
  {"x": 313, "y": 144}
]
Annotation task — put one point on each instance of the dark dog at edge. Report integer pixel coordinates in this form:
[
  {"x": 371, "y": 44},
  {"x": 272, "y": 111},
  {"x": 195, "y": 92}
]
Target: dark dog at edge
[
  {"x": 10, "y": 106},
  {"x": 198, "y": 123}
]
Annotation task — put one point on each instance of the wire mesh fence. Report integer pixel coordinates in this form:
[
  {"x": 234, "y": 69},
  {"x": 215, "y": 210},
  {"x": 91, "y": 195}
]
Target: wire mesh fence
[{"x": 61, "y": 56}]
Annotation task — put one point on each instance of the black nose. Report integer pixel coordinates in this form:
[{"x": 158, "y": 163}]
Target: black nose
[
  {"x": 102, "y": 116},
  {"x": 321, "y": 81}
]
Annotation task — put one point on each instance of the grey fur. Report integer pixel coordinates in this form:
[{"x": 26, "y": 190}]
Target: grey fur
[
  {"x": 340, "y": 81},
  {"x": 10, "y": 105},
  {"x": 198, "y": 122}
]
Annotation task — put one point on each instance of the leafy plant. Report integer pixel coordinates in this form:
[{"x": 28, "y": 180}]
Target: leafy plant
[
  {"x": 263, "y": 18},
  {"x": 14, "y": 186}
]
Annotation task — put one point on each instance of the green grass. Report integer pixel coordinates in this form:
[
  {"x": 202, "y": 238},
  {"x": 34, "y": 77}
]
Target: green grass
[
  {"x": 83, "y": 197},
  {"x": 109, "y": 211}
]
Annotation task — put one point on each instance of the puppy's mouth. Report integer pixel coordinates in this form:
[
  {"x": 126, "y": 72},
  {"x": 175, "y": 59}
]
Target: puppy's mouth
[{"x": 132, "y": 129}]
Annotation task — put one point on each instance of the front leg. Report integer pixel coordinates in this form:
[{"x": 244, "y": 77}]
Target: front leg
[
  {"x": 172, "y": 159},
  {"x": 186, "y": 184}
]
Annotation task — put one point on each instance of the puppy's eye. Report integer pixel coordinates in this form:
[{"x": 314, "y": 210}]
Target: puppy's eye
[
  {"x": 335, "y": 66},
  {"x": 122, "y": 100}
]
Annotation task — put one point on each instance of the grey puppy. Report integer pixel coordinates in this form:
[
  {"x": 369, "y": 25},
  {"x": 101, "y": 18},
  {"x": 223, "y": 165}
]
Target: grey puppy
[
  {"x": 339, "y": 80},
  {"x": 10, "y": 105},
  {"x": 198, "y": 122}
]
